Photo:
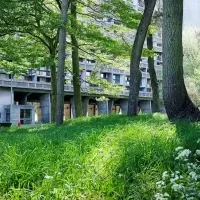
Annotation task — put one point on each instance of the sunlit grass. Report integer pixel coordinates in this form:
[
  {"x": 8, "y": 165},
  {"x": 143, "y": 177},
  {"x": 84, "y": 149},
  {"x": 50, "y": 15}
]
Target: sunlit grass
[{"x": 106, "y": 157}]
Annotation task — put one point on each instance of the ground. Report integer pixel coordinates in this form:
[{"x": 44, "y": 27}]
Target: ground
[{"x": 104, "y": 157}]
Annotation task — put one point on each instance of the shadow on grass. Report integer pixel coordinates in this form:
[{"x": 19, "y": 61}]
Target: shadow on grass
[
  {"x": 142, "y": 165},
  {"x": 189, "y": 133}
]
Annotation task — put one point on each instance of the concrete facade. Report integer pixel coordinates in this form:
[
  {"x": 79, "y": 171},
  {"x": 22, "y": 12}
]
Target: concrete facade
[
  {"x": 5, "y": 99},
  {"x": 45, "y": 104},
  {"x": 21, "y": 113},
  {"x": 146, "y": 106}
]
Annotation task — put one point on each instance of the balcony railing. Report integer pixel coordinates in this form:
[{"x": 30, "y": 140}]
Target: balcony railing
[{"x": 47, "y": 86}]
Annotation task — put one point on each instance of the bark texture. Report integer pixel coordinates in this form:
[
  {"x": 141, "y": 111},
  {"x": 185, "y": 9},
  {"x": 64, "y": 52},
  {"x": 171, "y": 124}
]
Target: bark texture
[
  {"x": 61, "y": 64},
  {"x": 75, "y": 63},
  {"x": 177, "y": 102},
  {"x": 53, "y": 92},
  {"x": 135, "y": 73},
  {"x": 153, "y": 76}
]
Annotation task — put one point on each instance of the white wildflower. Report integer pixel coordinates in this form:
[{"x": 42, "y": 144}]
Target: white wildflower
[
  {"x": 160, "y": 196},
  {"x": 160, "y": 184},
  {"x": 198, "y": 152},
  {"x": 192, "y": 165},
  {"x": 183, "y": 154},
  {"x": 193, "y": 175},
  {"x": 177, "y": 187},
  {"x": 172, "y": 180},
  {"x": 166, "y": 194},
  {"x": 179, "y": 148},
  {"x": 48, "y": 177},
  {"x": 54, "y": 191},
  {"x": 164, "y": 175}
]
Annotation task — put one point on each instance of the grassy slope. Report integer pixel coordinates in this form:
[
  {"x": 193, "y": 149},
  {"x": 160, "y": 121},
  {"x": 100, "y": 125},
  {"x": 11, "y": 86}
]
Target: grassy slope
[{"x": 107, "y": 157}]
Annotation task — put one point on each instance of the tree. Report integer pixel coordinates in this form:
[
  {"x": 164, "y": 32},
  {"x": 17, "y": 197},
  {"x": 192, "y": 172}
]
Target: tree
[
  {"x": 135, "y": 74},
  {"x": 75, "y": 61},
  {"x": 61, "y": 63},
  {"x": 178, "y": 104},
  {"x": 153, "y": 76}
]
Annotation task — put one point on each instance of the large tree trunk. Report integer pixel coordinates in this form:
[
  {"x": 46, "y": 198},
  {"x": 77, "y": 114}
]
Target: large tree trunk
[
  {"x": 61, "y": 64},
  {"x": 53, "y": 92},
  {"x": 177, "y": 102},
  {"x": 153, "y": 77},
  {"x": 135, "y": 74},
  {"x": 75, "y": 64}
]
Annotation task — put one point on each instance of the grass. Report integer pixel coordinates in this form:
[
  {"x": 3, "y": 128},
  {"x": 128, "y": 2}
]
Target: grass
[{"x": 106, "y": 157}]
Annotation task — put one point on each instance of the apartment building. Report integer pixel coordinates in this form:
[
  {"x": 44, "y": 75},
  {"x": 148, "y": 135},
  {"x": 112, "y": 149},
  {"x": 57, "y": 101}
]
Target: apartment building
[{"x": 28, "y": 98}]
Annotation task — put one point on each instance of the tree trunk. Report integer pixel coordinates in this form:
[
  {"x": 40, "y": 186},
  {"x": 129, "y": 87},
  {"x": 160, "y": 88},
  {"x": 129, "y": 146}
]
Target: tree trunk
[
  {"x": 61, "y": 64},
  {"x": 178, "y": 105},
  {"x": 153, "y": 77},
  {"x": 135, "y": 73},
  {"x": 53, "y": 92},
  {"x": 75, "y": 64}
]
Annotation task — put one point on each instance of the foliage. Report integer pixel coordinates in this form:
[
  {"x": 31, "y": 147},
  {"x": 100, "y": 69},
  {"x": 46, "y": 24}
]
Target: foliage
[
  {"x": 17, "y": 54},
  {"x": 191, "y": 61},
  {"x": 105, "y": 87},
  {"x": 104, "y": 157}
]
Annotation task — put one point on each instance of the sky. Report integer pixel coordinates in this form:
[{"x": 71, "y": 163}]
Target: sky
[{"x": 191, "y": 16}]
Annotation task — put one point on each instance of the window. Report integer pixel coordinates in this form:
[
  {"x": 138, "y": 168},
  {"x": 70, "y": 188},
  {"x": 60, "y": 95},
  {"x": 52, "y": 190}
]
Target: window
[
  {"x": 81, "y": 59},
  {"x": 110, "y": 19},
  {"x": 7, "y": 111},
  {"x": 116, "y": 78},
  {"x": 104, "y": 76},
  {"x": 127, "y": 79},
  {"x": 159, "y": 45},
  {"x": 88, "y": 73},
  {"x": 148, "y": 84},
  {"x": 25, "y": 116},
  {"x": 42, "y": 79}
]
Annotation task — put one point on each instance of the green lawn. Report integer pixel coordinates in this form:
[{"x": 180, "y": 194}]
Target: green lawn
[{"x": 106, "y": 157}]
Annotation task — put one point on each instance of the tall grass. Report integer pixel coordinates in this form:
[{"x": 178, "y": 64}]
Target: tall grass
[{"x": 106, "y": 157}]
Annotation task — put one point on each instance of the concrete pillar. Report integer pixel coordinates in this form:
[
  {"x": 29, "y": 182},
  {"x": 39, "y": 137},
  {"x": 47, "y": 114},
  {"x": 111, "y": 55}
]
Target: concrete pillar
[
  {"x": 146, "y": 106},
  {"x": 73, "y": 114},
  {"x": 122, "y": 79},
  {"x": 45, "y": 105},
  {"x": 102, "y": 107},
  {"x": 124, "y": 106},
  {"x": 85, "y": 103},
  {"x": 110, "y": 77},
  {"x": 83, "y": 77},
  {"x": 110, "y": 105}
]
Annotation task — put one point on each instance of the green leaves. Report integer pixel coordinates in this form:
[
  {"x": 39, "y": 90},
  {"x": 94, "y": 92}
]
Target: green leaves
[{"x": 17, "y": 54}]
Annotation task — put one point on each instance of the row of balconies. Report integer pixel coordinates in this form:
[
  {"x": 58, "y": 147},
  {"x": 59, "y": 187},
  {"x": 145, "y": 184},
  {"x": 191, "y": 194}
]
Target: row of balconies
[
  {"x": 117, "y": 76},
  {"x": 68, "y": 88}
]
